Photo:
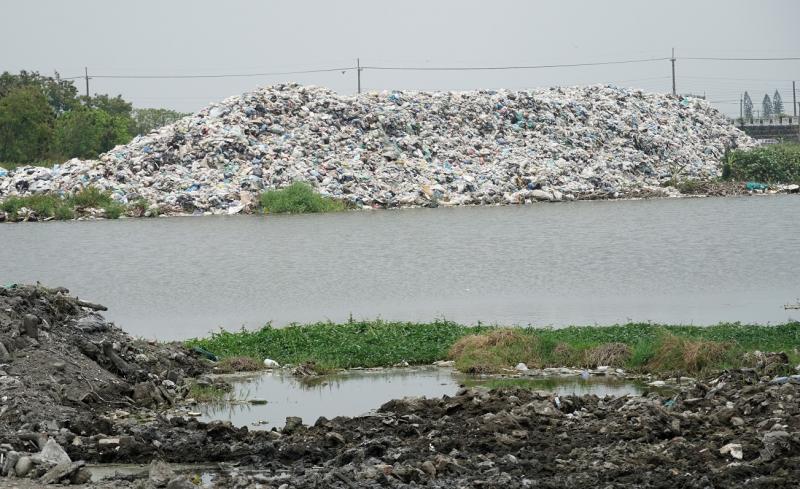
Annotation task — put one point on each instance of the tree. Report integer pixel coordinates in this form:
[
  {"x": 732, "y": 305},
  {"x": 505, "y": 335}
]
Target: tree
[
  {"x": 60, "y": 94},
  {"x": 748, "y": 107},
  {"x": 777, "y": 104},
  {"x": 86, "y": 132},
  {"x": 26, "y": 125},
  {"x": 146, "y": 120},
  {"x": 766, "y": 106}
]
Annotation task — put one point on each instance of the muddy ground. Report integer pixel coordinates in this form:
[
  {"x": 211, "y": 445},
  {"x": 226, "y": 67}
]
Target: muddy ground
[{"x": 71, "y": 381}]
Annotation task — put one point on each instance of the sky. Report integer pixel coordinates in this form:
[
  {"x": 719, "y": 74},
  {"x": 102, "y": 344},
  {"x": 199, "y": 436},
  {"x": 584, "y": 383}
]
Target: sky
[{"x": 212, "y": 37}]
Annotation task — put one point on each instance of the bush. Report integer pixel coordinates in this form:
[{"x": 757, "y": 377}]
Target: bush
[
  {"x": 775, "y": 163},
  {"x": 298, "y": 198}
]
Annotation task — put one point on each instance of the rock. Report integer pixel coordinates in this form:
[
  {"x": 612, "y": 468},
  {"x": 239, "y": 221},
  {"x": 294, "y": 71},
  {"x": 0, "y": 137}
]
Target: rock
[
  {"x": 108, "y": 442},
  {"x": 10, "y": 462},
  {"x": 332, "y": 439},
  {"x": 428, "y": 467},
  {"x": 160, "y": 473},
  {"x": 270, "y": 363},
  {"x": 543, "y": 408},
  {"x": 5, "y": 357},
  {"x": 30, "y": 324},
  {"x": 61, "y": 471},
  {"x": 52, "y": 453},
  {"x": 81, "y": 476},
  {"x": 23, "y": 466},
  {"x": 293, "y": 423},
  {"x": 521, "y": 367},
  {"x": 734, "y": 449},
  {"x": 444, "y": 363}
]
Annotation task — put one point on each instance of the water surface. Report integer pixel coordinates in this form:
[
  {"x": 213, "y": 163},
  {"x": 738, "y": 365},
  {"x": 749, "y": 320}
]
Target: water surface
[{"x": 695, "y": 261}]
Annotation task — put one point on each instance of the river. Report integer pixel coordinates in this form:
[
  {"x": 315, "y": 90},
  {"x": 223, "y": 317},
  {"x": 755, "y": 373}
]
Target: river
[{"x": 698, "y": 261}]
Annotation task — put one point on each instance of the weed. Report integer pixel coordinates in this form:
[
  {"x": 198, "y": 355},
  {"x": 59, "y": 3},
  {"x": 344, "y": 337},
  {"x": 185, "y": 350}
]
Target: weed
[
  {"x": 239, "y": 364},
  {"x": 774, "y": 163},
  {"x": 298, "y": 198}
]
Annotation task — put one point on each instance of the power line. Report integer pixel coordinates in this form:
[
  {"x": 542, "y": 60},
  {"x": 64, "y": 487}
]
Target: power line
[
  {"x": 498, "y": 68},
  {"x": 235, "y": 75},
  {"x": 741, "y": 59}
]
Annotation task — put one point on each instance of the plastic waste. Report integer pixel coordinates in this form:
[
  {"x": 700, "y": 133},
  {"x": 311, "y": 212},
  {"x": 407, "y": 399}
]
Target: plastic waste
[{"x": 405, "y": 148}]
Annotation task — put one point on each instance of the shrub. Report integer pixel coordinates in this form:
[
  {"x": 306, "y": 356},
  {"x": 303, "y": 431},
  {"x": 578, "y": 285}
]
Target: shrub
[
  {"x": 775, "y": 163},
  {"x": 298, "y": 198},
  {"x": 691, "y": 356},
  {"x": 494, "y": 351}
]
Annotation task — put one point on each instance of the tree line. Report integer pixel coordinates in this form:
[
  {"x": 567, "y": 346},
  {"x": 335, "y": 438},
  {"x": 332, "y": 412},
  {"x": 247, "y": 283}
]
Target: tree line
[
  {"x": 43, "y": 120},
  {"x": 769, "y": 107}
]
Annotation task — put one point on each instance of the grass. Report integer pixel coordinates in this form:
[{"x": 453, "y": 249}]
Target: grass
[
  {"x": 239, "y": 364},
  {"x": 641, "y": 347},
  {"x": 65, "y": 207},
  {"x": 774, "y": 163},
  {"x": 298, "y": 198},
  {"x": 202, "y": 393}
]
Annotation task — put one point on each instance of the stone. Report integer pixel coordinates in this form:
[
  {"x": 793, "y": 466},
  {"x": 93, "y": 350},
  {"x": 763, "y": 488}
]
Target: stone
[
  {"x": 61, "y": 471},
  {"x": 30, "y": 325},
  {"x": 23, "y": 466},
  {"x": 270, "y": 363},
  {"x": 52, "y": 453},
  {"x": 160, "y": 473},
  {"x": 521, "y": 367},
  {"x": 734, "y": 449},
  {"x": 10, "y": 462},
  {"x": 293, "y": 423}
]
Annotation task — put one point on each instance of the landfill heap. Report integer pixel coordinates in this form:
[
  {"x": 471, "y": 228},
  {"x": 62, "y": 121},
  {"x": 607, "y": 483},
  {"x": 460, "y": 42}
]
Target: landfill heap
[{"x": 398, "y": 149}]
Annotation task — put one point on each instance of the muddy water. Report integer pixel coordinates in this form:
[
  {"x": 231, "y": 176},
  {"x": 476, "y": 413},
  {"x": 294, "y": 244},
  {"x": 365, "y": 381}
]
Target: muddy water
[
  {"x": 695, "y": 261},
  {"x": 359, "y": 392}
]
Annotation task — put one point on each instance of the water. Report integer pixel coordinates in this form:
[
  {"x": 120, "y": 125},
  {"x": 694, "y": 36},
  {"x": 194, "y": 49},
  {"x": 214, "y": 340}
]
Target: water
[
  {"x": 358, "y": 392},
  {"x": 695, "y": 261}
]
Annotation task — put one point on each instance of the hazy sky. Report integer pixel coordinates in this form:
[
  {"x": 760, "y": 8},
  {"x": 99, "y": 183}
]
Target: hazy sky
[{"x": 182, "y": 37}]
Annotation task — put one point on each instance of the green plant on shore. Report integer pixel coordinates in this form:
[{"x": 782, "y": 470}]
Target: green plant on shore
[
  {"x": 774, "y": 163},
  {"x": 204, "y": 393},
  {"x": 298, "y": 198},
  {"x": 63, "y": 207},
  {"x": 640, "y": 347}
]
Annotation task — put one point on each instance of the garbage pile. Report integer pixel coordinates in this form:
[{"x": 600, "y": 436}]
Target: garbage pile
[{"x": 400, "y": 148}]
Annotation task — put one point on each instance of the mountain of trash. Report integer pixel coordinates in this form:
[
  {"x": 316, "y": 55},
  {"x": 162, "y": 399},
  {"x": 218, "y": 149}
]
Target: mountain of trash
[{"x": 397, "y": 149}]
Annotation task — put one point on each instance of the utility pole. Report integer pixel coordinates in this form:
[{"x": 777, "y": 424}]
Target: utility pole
[
  {"x": 674, "y": 91},
  {"x": 86, "y": 75},
  {"x": 794, "y": 99},
  {"x": 358, "y": 70}
]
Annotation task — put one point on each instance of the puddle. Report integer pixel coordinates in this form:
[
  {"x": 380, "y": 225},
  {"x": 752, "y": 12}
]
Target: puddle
[
  {"x": 205, "y": 473},
  {"x": 358, "y": 392},
  {"x": 564, "y": 386}
]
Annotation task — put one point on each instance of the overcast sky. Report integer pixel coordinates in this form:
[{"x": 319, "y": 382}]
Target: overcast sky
[{"x": 185, "y": 37}]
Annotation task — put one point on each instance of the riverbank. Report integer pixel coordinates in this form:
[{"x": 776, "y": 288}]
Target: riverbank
[
  {"x": 48, "y": 206},
  {"x": 75, "y": 389},
  {"x": 637, "y": 347}
]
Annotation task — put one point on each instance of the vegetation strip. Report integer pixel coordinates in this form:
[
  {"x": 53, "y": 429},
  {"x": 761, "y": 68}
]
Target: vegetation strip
[
  {"x": 298, "y": 198},
  {"x": 52, "y": 206},
  {"x": 642, "y": 347}
]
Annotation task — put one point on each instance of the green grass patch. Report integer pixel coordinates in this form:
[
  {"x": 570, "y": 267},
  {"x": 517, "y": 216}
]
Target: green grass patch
[
  {"x": 239, "y": 364},
  {"x": 63, "y": 207},
  {"x": 204, "y": 393},
  {"x": 640, "y": 347},
  {"x": 298, "y": 198},
  {"x": 774, "y": 163}
]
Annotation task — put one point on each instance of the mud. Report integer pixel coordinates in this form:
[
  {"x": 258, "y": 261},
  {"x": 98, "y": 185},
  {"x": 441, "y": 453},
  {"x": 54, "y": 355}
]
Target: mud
[{"x": 739, "y": 429}]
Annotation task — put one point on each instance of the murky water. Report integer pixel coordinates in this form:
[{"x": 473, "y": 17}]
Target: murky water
[
  {"x": 695, "y": 261},
  {"x": 359, "y": 392}
]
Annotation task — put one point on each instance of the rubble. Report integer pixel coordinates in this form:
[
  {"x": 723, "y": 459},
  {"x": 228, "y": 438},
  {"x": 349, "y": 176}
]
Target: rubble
[
  {"x": 734, "y": 429},
  {"x": 402, "y": 148}
]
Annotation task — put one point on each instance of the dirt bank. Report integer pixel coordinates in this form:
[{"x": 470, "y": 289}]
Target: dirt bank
[{"x": 75, "y": 386}]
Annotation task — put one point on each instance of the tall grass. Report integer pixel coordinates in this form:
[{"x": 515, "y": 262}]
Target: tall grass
[
  {"x": 298, "y": 198},
  {"x": 637, "y": 346}
]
